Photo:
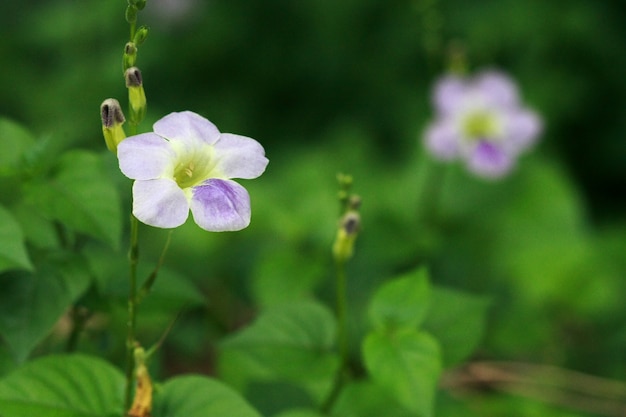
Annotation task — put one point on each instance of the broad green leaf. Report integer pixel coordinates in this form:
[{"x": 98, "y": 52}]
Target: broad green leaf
[
  {"x": 283, "y": 276},
  {"x": 38, "y": 231},
  {"x": 15, "y": 140},
  {"x": 199, "y": 396},
  {"x": 300, "y": 413},
  {"x": 7, "y": 360},
  {"x": 407, "y": 363},
  {"x": 293, "y": 342},
  {"x": 457, "y": 320},
  {"x": 367, "y": 399},
  {"x": 13, "y": 253},
  {"x": 402, "y": 302},
  {"x": 80, "y": 195},
  {"x": 170, "y": 292},
  {"x": 31, "y": 303},
  {"x": 63, "y": 386}
]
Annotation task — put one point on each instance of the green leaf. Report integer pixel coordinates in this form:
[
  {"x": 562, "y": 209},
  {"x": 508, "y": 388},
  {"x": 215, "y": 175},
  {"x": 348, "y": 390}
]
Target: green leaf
[
  {"x": 293, "y": 342},
  {"x": 300, "y": 413},
  {"x": 170, "y": 293},
  {"x": 63, "y": 386},
  {"x": 31, "y": 303},
  {"x": 457, "y": 320},
  {"x": 283, "y": 275},
  {"x": 12, "y": 250},
  {"x": 367, "y": 399},
  {"x": 80, "y": 195},
  {"x": 38, "y": 231},
  {"x": 198, "y": 396},
  {"x": 407, "y": 363},
  {"x": 402, "y": 302},
  {"x": 15, "y": 140}
]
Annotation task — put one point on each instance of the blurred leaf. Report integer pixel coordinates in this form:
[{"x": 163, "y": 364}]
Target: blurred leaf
[
  {"x": 15, "y": 140},
  {"x": 81, "y": 196},
  {"x": 7, "y": 360},
  {"x": 367, "y": 399},
  {"x": 31, "y": 303},
  {"x": 407, "y": 364},
  {"x": 402, "y": 302},
  {"x": 199, "y": 396},
  {"x": 38, "y": 231},
  {"x": 300, "y": 413},
  {"x": 170, "y": 292},
  {"x": 292, "y": 342},
  {"x": 63, "y": 386},
  {"x": 283, "y": 275},
  {"x": 13, "y": 253},
  {"x": 457, "y": 320}
]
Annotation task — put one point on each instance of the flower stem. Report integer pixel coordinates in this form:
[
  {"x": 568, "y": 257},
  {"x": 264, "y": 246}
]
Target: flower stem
[
  {"x": 342, "y": 334},
  {"x": 342, "y": 337},
  {"x": 132, "y": 312},
  {"x": 147, "y": 285}
]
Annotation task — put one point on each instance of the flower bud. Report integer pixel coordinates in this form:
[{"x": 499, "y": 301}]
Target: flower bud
[
  {"x": 130, "y": 55},
  {"x": 131, "y": 14},
  {"x": 112, "y": 121},
  {"x": 346, "y": 236},
  {"x": 136, "y": 94},
  {"x": 140, "y": 35}
]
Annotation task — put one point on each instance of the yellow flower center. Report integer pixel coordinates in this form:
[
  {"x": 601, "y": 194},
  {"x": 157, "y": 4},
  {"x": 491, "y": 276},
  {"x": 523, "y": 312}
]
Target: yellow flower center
[
  {"x": 480, "y": 125},
  {"x": 195, "y": 167}
]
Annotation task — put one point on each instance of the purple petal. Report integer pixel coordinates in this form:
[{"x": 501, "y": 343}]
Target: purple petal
[
  {"x": 239, "y": 156},
  {"x": 221, "y": 205},
  {"x": 144, "y": 157},
  {"x": 449, "y": 94},
  {"x": 442, "y": 139},
  {"x": 489, "y": 160},
  {"x": 523, "y": 129},
  {"x": 497, "y": 88},
  {"x": 186, "y": 125},
  {"x": 160, "y": 203}
]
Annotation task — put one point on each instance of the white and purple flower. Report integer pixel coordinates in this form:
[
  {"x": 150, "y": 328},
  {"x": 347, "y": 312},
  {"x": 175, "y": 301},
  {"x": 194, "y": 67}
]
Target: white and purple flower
[
  {"x": 187, "y": 164},
  {"x": 481, "y": 121}
]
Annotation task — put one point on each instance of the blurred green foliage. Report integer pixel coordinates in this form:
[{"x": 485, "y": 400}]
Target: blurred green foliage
[{"x": 333, "y": 87}]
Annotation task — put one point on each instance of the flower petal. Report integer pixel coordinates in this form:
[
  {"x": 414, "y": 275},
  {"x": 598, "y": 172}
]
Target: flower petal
[
  {"x": 523, "y": 129},
  {"x": 489, "y": 160},
  {"x": 442, "y": 139},
  {"x": 145, "y": 157},
  {"x": 449, "y": 94},
  {"x": 221, "y": 205},
  {"x": 497, "y": 89},
  {"x": 239, "y": 156},
  {"x": 160, "y": 203},
  {"x": 185, "y": 126}
]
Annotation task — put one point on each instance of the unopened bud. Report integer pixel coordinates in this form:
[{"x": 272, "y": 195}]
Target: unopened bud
[
  {"x": 130, "y": 55},
  {"x": 354, "y": 202},
  {"x": 136, "y": 94},
  {"x": 131, "y": 14},
  {"x": 346, "y": 236},
  {"x": 139, "y": 4},
  {"x": 112, "y": 121},
  {"x": 140, "y": 35}
]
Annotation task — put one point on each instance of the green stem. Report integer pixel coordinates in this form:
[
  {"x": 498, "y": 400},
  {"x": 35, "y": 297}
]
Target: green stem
[
  {"x": 132, "y": 312},
  {"x": 147, "y": 285},
  {"x": 342, "y": 338}
]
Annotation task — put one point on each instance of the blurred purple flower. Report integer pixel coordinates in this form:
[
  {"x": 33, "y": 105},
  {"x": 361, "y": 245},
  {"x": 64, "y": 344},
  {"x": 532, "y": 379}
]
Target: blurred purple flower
[
  {"x": 186, "y": 163},
  {"x": 481, "y": 121}
]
